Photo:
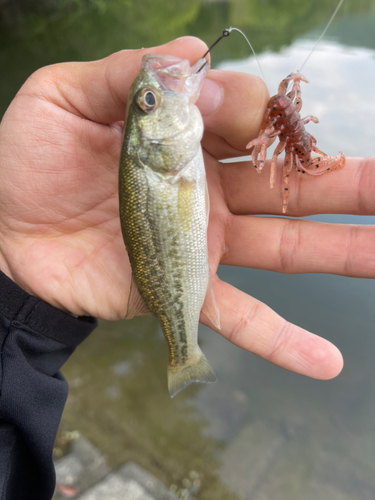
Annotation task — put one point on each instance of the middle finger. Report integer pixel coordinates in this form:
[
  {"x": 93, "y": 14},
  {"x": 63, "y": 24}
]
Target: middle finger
[{"x": 300, "y": 246}]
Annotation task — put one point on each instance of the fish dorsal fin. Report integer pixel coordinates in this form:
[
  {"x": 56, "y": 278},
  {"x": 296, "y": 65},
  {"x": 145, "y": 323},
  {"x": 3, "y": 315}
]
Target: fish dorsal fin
[
  {"x": 210, "y": 308},
  {"x": 136, "y": 305}
]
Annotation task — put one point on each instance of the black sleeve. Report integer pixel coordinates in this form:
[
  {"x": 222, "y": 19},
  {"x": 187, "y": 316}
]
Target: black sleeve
[{"x": 35, "y": 341}]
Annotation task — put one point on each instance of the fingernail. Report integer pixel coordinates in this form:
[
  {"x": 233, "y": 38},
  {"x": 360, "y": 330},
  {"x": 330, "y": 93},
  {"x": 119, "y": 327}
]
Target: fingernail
[{"x": 210, "y": 98}]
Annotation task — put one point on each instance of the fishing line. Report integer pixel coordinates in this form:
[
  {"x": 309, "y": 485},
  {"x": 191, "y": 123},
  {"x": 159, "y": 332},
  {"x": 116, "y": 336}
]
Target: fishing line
[
  {"x": 226, "y": 33},
  {"x": 251, "y": 47},
  {"x": 321, "y": 36}
]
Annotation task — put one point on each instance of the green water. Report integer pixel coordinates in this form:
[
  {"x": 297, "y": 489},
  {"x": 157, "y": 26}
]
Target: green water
[{"x": 260, "y": 432}]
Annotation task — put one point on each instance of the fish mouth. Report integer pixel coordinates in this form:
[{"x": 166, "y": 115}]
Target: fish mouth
[{"x": 176, "y": 75}]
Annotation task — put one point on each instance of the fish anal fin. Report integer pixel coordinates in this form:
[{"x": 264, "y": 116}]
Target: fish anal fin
[
  {"x": 210, "y": 307},
  {"x": 136, "y": 305},
  {"x": 180, "y": 377}
]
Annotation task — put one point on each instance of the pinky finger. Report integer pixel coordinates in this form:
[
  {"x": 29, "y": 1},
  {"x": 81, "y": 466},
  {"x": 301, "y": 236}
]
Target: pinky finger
[{"x": 253, "y": 326}]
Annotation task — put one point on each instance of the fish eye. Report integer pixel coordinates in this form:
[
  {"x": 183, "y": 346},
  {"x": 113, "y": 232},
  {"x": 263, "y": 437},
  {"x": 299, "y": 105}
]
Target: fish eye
[
  {"x": 150, "y": 98},
  {"x": 147, "y": 99}
]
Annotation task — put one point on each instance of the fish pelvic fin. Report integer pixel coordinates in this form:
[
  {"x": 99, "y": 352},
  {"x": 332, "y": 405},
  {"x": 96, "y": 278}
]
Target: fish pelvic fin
[
  {"x": 180, "y": 377},
  {"x": 136, "y": 305}
]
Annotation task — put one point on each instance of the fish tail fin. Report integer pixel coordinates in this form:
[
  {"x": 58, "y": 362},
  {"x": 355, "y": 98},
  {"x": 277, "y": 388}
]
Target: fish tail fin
[{"x": 180, "y": 377}]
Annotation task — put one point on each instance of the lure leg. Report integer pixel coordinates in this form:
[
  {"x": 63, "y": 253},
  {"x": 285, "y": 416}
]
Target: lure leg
[
  {"x": 323, "y": 163},
  {"x": 313, "y": 140},
  {"x": 310, "y": 118},
  {"x": 296, "y": 77},
  {"x": 298, "y": 99},
  {"x": 279, "y": 149},
  {"x": 297, "y": 90},
  {"x": 275, "y": 134},
  {"x": 261, "y": 144},
  {"x": 263, "y": 138},
  {"x": 263, "y": 156},
  {"x": 284, "y": 84},
  {"x": 318, "y": 151},
  {"x": 295, "y": 95},
  {"x": 300, "y": 167},
  {"x": 326, "y": 163},
  {"x": 254, "y": 156},
  {"x": 287, "y": 167}
]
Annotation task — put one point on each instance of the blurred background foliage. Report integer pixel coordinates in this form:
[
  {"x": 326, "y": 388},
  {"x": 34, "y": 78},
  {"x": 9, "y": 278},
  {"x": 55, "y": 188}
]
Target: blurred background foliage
[{"x": 34, "y": 34}]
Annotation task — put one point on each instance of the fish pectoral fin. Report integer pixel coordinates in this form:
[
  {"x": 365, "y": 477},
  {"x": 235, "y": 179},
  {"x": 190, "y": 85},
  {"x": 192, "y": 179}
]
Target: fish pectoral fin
[
  {"x": 210, "y": 307},
  {"x": 136, "y": 305},
  {"x": 180, "y": 377}
]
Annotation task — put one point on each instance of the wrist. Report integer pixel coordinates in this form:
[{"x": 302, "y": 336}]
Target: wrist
[
  {"x": 19, "y": 306},
  {"x": 5, "y": 268}
]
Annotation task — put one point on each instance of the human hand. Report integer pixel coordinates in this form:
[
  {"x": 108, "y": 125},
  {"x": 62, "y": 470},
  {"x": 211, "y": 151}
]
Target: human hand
[
  {"x": 60, "y": 143},
  {"x": 59, "y": 228}
]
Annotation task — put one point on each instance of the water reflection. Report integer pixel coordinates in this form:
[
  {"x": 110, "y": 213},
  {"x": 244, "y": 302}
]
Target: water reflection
[
  {"x": 121, "y": 405},
  {"x": 340, "y": 92},
  {"x": 330, "y": 452}
]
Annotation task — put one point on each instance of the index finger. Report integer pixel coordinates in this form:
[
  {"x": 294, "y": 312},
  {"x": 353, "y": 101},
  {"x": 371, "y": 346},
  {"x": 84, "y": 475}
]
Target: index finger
[{"x": 239, "y": 115}]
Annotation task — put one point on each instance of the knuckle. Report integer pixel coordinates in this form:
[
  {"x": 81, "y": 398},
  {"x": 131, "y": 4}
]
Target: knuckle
[
  {"x": 289, "y": 244},
  {"x": 227, "y": 236},
  {"x": 246, "y": 319},
  {"x": 281, "y": 342},
  {"x": 365, "y": 178},
  {"x": 351, "y": 254},
  {"x": 37, "y": 83}
]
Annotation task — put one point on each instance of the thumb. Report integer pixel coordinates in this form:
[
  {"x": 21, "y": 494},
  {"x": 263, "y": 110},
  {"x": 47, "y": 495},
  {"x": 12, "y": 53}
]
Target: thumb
[{"x": 98, "y": 90}]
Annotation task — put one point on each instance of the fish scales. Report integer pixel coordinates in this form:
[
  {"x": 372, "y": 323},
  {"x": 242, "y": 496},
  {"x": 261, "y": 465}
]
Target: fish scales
[
  {"x": 165, "y": 259},
  {"x": 163, "y": 209}
]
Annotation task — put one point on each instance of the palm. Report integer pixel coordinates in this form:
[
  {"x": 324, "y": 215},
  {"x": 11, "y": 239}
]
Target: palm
[{"x": 62, "y": 238}]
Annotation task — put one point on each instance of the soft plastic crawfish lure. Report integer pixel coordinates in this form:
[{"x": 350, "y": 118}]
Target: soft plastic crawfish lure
[{"x": 282, "y": 120}]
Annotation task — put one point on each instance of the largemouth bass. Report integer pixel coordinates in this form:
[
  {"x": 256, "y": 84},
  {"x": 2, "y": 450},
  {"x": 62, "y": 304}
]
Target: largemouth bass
[{"x": 164, "y": 211}]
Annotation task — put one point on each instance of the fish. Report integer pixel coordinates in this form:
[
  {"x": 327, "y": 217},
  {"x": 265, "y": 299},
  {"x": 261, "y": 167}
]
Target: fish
[{"x": 164, "y": 210}]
